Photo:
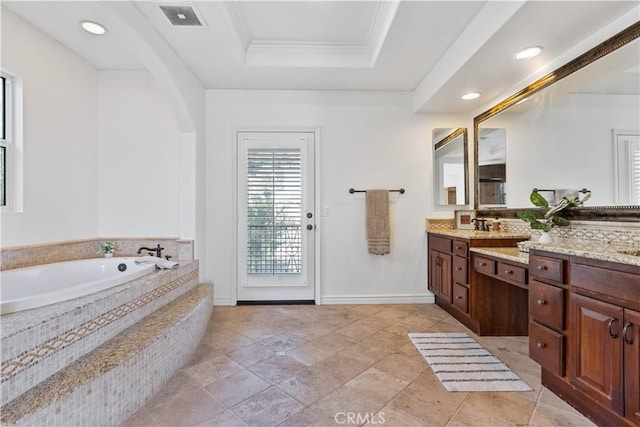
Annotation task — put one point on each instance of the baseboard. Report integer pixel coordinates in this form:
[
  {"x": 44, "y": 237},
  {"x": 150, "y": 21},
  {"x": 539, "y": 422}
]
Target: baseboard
[
  {"x": 426, "y": 298},
  {"x": 222, "y": 301}
]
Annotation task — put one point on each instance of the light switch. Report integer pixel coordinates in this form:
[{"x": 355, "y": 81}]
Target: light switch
[{"x": 326, "y": 211}]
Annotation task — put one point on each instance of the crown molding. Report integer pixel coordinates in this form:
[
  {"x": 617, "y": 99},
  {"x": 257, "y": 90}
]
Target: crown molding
[{"x": 315, "y": 54}]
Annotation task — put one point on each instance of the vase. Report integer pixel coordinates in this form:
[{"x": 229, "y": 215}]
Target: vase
[
  {"x": 108, "y": 254},
  {"x": 546, "y": 238}
]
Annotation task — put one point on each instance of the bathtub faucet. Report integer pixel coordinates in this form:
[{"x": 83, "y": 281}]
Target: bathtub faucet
[{"x": 157, "y": 250}]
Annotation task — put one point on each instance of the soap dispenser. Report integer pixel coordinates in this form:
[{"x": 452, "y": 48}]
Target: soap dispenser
[{"x": 495, "y": 225}]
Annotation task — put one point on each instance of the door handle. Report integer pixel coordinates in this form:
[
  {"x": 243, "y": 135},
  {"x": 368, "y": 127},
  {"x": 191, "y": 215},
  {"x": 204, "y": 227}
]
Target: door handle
[
  {"x": 624, "y": 333},
  {"x": 611, "y": 322},
  {"x": 309, "y": 215},
  {"x": 309, "y": 226}
]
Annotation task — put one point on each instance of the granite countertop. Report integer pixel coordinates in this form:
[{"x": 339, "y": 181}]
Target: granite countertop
[
  {"x": 475, "y": 234},
  {"x": 510, "y": 254},
  {"x": 593, "y": 250}
]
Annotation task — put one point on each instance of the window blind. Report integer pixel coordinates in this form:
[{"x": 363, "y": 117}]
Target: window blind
[{"x": 274, "y": 216}]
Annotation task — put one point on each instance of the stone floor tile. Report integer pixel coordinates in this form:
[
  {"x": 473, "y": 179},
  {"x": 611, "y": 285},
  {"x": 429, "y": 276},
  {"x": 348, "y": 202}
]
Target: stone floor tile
[
  {"x": 392, "y": 418},
  {"x": 227, "y": 340},
  {"x": 237, "y": 387},
  {"x": 204, "y": 352},
  {"x": 312, "y": 352},
  {"x": 308, "y": 418},
  {"x": 282, "y": 342},
  {"x": 388, "y": 340},
  {"x": 187, "y": 409},
  {"x": 225, "y": 419},
  {"x": 341, "y": 367},
  {"x": 180, "y": 383},
  {"x": 309, "y": 385},
  {"x": 401, "y": 366},
  {"x": 140, "y": 419},
  {"x": 346, "y": 400},
  {"x": 493, "y": 409},
  {"x": 547, "y": 416},
  {"x": 251, "y": 354},
  {"x": 356, "y": 331},
  {"x": 277, "y": 368},
  {"x": 267, "y": 408},
  {"x": 377, "y": 384},
  {"x": 212, "y": 370}
]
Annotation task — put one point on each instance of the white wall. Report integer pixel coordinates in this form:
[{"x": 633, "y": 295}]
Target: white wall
[
  {"x": 367, "y": 140},
  {"x": 139, "y": 157},
  {"x": 60, "y": 138}
]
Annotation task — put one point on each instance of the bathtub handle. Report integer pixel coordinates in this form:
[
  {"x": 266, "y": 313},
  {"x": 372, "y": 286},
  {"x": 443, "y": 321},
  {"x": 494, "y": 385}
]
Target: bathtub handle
[{"x": 168, "y": 257}]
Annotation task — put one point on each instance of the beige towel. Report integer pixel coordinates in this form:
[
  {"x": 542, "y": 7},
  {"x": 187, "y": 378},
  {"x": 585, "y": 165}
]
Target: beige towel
[{"x": 378, "y": 229}]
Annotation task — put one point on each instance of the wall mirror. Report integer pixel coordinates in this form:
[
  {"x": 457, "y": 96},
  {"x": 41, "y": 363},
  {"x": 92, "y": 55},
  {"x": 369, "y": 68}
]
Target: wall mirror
[
  {"x": 450, "y": 166},
  {"x": 578, "y": 127}
]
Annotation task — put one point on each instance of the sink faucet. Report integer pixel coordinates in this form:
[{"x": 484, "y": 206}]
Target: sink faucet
[
  {"x": 481, "y": 224},
  {"x": 157, "y": 250}
]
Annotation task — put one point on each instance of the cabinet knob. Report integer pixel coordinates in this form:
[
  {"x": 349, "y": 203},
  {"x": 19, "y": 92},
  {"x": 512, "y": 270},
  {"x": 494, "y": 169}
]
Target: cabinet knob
[
  {"x": 541, "y": 302},
  {"x": 458, "y": 297},
  {"x": 541, "y": 345},
  {"x": 542, "y": 267},
  {"x": 482, "y": 264},
  {"x": 459, "y": 268},
  {"x": 508, "y": 272}
]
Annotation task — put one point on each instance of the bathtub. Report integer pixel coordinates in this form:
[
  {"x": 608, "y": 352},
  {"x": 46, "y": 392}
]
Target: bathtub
[{"x": 31, "y": 287}]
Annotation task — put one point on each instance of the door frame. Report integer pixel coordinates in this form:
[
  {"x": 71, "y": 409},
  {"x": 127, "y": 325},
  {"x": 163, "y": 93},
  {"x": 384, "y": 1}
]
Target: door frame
[{"x": 235, "y": 265}]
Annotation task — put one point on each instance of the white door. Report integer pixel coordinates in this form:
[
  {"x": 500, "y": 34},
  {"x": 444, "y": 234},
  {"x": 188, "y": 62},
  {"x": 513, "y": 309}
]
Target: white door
[
  {"x": 276, "y": 224},
  {"x": 627, "y": 167}
]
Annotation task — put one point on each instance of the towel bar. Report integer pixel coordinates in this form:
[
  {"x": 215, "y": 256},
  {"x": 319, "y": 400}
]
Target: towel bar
[{"x": 351, "y": 191}]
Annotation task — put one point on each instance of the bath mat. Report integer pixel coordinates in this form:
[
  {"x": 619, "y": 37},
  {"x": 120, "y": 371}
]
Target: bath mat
[{"x": 461, "y": 364}]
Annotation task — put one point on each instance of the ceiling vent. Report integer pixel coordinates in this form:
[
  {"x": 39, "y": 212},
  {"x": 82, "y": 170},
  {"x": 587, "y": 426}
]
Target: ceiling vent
[{"x": 182, "y": 16}]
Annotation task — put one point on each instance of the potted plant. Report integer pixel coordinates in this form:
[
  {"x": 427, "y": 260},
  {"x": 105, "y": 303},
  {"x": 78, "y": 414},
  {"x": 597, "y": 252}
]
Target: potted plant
[
  {"x": 108, "y": 248},
  {"x": 547, "y": 218}
]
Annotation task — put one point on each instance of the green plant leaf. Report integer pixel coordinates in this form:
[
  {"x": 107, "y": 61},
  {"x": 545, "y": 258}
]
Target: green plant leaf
[
  {"x": 537, "y": 199},
  {"x": 528, "y": 216},
  {"x": 559, "y": 221}
]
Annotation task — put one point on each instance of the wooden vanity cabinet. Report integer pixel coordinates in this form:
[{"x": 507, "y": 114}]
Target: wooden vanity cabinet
[
  {"x": 585, "y": 333},
  {"x": 450, "y": 272}
]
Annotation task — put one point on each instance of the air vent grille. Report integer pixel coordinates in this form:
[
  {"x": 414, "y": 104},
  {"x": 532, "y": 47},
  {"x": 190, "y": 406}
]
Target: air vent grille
[{"x": 181, "y": 16}]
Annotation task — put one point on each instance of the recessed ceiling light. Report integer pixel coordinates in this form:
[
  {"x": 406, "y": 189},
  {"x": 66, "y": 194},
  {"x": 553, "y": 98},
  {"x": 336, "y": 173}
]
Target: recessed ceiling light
[
  {"x": 93, "y": 28},
  {"x": 471, "y": 95},
  {"x": 528, "y": 52}
]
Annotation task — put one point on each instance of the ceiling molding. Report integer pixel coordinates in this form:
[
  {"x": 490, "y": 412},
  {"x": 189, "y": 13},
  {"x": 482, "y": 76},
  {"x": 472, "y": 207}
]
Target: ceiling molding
[{"x": 314, "y": 54}]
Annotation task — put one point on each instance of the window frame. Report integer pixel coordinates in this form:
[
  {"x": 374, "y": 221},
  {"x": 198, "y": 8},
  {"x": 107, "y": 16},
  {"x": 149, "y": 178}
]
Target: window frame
[
  {"x": 13, "y": 143},
  {"x": 6, "y": 138}
]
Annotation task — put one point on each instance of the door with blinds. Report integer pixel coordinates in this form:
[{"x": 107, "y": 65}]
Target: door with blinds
[{"x": 276, "y": 224}]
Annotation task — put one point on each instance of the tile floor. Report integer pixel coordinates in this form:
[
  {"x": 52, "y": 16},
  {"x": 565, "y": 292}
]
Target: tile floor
[{"x": 340, "y": 365}]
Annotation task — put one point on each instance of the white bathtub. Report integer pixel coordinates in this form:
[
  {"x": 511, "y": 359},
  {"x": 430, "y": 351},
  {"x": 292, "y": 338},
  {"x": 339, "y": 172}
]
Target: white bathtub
[{"x": 31, "y": 287}]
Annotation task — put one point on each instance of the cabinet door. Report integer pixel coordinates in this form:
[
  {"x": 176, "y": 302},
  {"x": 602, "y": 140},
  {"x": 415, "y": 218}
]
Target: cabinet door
[
  {"x": 596, "y": 350},
  {"x": 632, "y": 365},
  {"x": 433, "y": 272},
  {"x": 446, "y": 281}
]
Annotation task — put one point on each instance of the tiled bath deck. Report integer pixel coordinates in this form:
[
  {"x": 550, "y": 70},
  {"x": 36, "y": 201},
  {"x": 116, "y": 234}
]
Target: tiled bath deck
[{"x": 313, "y": 365}]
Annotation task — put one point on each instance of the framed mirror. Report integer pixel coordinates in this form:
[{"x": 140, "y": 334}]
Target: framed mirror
[
  {"x": 450, "y": 166},
  {"x": 575, "y": 128}
]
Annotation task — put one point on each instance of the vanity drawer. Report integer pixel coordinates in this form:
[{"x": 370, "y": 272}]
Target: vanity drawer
[
  {"x": 547, "y": 348},
  {"x": 461, "y": 298},
  {"x": 460, "y": 248},
  {"x": 460, "y": 270},
  {"x": 546, "y": 304},
  {"x": 440, "y": 244},
  {"x": 547, "y": 268},
  {"x": 512, "y": 272},
  {"x": 484, "y": 265}
]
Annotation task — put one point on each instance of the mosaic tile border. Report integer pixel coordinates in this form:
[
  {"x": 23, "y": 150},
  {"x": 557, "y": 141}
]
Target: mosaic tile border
[{"x": 12, "y": 367}]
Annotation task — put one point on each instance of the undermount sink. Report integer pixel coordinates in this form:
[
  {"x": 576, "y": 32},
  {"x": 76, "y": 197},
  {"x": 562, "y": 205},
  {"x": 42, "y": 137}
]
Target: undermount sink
[{"x": 633, "y": 252}]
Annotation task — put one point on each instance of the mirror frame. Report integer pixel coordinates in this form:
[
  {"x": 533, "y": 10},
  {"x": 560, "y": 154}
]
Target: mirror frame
[
  {"x": 601, "y": 213},
  {"x": 465, "y": 140}
]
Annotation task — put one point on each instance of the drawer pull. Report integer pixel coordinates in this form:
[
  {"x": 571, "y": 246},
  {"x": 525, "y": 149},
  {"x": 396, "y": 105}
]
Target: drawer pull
[
  {"x": 624, "y": 333},
  {"x": 459, "y": 268},
  {"x": 541, "y": 302},
  {"x": 611, "y": 322},
  {"x": 458, "y": 297},
  {"x": 542, "y": 267},
  {"x": 458, "y": 248},
  {"x": 482, "y": 264},
  {"x": 541, "y": 345},
  {"x": 508, "y": 272}
]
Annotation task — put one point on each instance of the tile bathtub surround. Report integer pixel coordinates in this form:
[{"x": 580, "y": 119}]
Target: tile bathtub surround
[
  {"x": 26, "y": 256},
  {"x": 313, "y": 365},
  {"x": 110, "y": 383},
  {"x": 38, "y": 343}
]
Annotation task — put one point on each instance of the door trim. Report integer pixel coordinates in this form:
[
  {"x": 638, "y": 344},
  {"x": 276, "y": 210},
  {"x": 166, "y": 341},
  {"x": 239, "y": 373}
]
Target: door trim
[{"x": 233, "y": 284}]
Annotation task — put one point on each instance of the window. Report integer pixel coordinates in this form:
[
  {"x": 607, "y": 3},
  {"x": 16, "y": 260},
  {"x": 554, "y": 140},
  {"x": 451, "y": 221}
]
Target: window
[
  {"x": 5, "y": 142},
  {"x": 11, "y": 183}
]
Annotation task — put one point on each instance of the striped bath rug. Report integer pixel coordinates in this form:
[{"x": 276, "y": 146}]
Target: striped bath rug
[{"x": 461, "y": 364}]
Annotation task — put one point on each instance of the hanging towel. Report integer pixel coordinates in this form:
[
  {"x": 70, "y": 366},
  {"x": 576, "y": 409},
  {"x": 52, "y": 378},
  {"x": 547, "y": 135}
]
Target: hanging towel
[
  {"x": 378, "y": 229},
  {"x": 163, "y": 264}
]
